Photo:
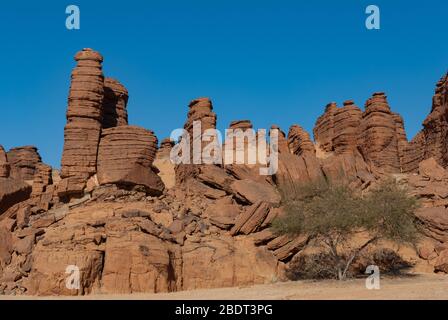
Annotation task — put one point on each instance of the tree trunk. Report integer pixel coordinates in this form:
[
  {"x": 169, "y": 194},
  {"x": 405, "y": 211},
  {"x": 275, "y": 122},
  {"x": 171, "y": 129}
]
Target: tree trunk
[{"x": 355, "y": 254}]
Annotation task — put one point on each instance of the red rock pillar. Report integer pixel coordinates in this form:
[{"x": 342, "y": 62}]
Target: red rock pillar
[
  {"x": 4, "y": 165},
  {"x": 114, "y": 104},
  {"x": 83, "y": 128}
]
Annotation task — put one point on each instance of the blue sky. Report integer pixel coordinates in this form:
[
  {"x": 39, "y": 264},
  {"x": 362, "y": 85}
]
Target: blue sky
[{"x": 274, "y": 62}]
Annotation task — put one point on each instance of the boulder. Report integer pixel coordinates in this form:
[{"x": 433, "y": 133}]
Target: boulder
[
  {"x": 249, "y": 191},
  {"x": 225, "y": 261},
  {"x": 251, "y": 219},
  {"x": 435, "y": 222},
  {"x": 125, "y": 158}
]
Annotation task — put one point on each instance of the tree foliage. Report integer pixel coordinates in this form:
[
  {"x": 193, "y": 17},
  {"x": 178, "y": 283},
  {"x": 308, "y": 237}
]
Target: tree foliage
[{"x": 331, "y": 213}]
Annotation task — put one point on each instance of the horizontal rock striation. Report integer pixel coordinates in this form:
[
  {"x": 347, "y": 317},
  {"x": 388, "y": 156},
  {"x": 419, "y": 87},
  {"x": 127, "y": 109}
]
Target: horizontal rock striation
[
  {"x": 115, "y": 102},
  {"x": 125, "y": 157},
  {"x": 23, "y": 161},
  {"x": 83, "y": 128},
  {"x": 299, "y": 141},
  {"x": 379, "y": 138},
  {"x": 5, "y": 168}
]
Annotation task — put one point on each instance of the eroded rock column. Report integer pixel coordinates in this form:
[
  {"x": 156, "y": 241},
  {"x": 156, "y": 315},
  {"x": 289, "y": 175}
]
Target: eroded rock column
[
  {"x": 4, "y": 165},
  {"x": 83, "y": 128},
  {"x": 379, "y": 139},
  {"x": 114, "y": 104},
  {"x": 299, "y": 141}
]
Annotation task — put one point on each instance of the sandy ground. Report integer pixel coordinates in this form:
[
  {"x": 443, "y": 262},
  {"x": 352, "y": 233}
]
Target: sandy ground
[{"x": 415, "y": 287}]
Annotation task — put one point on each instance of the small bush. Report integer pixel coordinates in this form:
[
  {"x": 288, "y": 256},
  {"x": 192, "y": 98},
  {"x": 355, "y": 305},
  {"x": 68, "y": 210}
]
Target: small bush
[{"x": 313, "y": 266}]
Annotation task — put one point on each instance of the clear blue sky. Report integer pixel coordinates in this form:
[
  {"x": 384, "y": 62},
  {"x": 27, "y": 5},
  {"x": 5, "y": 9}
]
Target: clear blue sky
[{"x": 269, "y": 61}]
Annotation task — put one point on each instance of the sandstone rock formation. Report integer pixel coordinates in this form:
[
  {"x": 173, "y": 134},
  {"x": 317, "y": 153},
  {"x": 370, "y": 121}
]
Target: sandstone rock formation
[
  {"x": 379, "y": 138},
  {"x": 114, "y": 104},
  {"x": 432, "y": 140},
  {"x": 129, "y": 226},
  {"x": 125, "y": 158},
  {"x": 282, "y": 140},
  {"x": 346, "y": 122},
  {"x": 5, "y": 168},
  {"x": 23, "y": 161},
  {"x": 83, "y": 128},
  {"x": 299, "y": 141},
  {"x": 201, "y": 113},
  {"x": 43, "y": 189},
  {"x": 164, "y": 165},
  {"x": 324, "y": 128}
]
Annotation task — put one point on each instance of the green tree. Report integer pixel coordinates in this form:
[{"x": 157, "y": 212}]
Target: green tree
[{"x": 332, "y": 213}]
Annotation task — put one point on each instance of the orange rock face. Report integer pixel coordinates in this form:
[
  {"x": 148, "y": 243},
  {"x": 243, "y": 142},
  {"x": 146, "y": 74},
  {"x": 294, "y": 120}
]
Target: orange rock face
[
  {"x": 4, "y": 165},
  {"x": 379, "y": 137},
  {"x": 432, "y": 140},
  {"x": 125, "y": 157},
  {"x": 114, "y": 104},
  {"x": 23, "y": 161},
  {"x": 299, "y": 141},
  {"x": 83, "y": 128},
  {"x": 127, "y": 232}
]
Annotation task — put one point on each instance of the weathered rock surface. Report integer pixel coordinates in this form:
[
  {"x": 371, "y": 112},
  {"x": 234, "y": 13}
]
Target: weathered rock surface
[
  {"x": 380, "y": 134},
  {"x": 23, "y": 161},
  {"x": 12, "y": 191},
  {"x": 125, "y": 157},
  {"x": 210, "y": 227},
  {"x": 114, "y": 104},
  {"x": 83, "y": 128},
  {"x": 346, "y": 122},
  {"x": 299, "y": 141},
  {"x": 43, "y": 189},
  {"x": 164, "y": 164},
  {"x": 431, "y": 142},
  {"x": 5, "y": 168}
]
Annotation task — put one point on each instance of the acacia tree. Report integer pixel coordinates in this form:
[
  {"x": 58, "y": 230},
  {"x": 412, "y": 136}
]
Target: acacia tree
[{"x": 333, "y": 213}]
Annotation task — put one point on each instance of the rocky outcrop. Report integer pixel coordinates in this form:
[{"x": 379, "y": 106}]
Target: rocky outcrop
[
  {"x": 164, "y": 165},
  {"x": 414, "y": 153},
  {"x": 114, "y": 104},
  {"x": 125, "y": 158},
  {"x": 43, "y": 189},
  {"x": 165, "y": 149},
  {"x": 324, "y": 128},
  {"x": 282, "y": 140},
  {"x": 299, "y": 141},
  {"x": 337, "y": 130},
  {"x": 128, "y": 226},
  {"x": 346, "y": 127},
  {"x": 201, "y": 113},
  {"x": 377, "y": 133},
  {"x": 431, "y": 142},
  {"x": 23, "y": 161},
  {"x": 83, "y": 128},
  {"x": 435, "y": 126},
  {"x": 14, "y": 190},
  {"x": 5, "y": 168},
  {"x": 379, "y": 138}
]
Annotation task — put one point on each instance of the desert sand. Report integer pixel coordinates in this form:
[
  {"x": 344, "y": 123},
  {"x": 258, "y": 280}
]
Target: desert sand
[{"x": 415, "y": 287}]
